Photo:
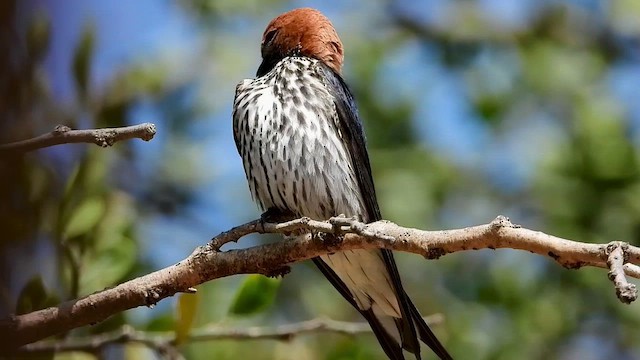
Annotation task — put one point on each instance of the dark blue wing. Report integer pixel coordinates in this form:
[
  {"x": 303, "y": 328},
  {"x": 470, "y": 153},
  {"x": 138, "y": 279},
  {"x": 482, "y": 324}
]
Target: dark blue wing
[{"x": 353, "y": 133}]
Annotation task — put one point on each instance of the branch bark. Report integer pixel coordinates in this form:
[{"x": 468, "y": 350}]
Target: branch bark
[
  {"x": 64, "y": 135},
  {"x": 208, "y": 262}
]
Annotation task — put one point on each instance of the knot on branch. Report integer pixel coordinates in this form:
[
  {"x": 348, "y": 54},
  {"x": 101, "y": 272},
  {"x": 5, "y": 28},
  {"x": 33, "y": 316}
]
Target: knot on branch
[
  {"x": 151, "y": 298},
  {"x": 435, "y": 253},
  {"x": 278, "y": 272},
  {"x": 104, "y": 137},
  {"x": 500, "y": 222},
  {"x": 60, "y": 129}
]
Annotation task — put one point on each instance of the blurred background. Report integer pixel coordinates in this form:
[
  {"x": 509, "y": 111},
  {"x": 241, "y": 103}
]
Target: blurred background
[{"x": 472, "y": 109}]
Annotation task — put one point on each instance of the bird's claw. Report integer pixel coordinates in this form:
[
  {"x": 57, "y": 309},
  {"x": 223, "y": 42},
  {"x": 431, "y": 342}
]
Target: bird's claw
[
  {"x": 330, "y": 240},
  {"x": 275, "y": 215}
]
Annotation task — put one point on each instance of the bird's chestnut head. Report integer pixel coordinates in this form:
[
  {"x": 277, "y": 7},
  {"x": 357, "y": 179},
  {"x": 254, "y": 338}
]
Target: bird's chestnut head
[{"x": 301, "y": 32}]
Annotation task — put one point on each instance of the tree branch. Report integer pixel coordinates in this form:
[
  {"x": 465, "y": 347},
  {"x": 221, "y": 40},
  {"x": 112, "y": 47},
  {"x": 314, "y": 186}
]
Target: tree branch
[
  {"x": 64, "y": 135},
  {"x": 208, "y": 262},
  {"x": 168, "y": 339}
]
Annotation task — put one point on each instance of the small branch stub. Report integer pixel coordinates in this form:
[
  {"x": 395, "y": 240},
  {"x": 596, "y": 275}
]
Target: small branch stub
[{"x": 616, "y": 253}]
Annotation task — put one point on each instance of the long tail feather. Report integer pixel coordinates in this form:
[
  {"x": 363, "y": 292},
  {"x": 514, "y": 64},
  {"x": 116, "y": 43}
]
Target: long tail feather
[
  {"x": 390, "y": 346},
  {"x": 427, "y": 336}
]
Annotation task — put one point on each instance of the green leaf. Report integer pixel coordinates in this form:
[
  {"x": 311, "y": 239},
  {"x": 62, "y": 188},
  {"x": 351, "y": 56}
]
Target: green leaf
[
  {"x": 84, "y": 217},
  {"x": 187, "y": 308},
  {"x": 82, "y": 60},
  {"x": 256, "y": 294},
  {"x": 108, "y": 265},
  {"x": 32, "y": 297}
]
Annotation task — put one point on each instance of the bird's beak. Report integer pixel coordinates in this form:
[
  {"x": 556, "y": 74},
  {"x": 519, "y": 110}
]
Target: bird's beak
[{"x": 265, "y": 67}]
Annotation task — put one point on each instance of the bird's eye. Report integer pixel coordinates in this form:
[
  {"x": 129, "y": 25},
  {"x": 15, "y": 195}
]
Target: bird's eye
[{"x": 268, "y": 37}]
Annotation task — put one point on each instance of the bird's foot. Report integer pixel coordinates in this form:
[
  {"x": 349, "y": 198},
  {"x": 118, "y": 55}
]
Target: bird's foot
[
  {"x": 330, "y": 240},
  {"x": 279, "y": 216},
  {"x": 275, "y": 215}
]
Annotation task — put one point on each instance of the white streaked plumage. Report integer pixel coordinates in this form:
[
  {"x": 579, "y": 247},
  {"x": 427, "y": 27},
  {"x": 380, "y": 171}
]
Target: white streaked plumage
[{"x": 288, "y": 117}]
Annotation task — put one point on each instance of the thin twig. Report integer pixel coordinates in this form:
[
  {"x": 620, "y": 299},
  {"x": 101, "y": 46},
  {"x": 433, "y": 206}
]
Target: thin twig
[
  {"x": 632, "y": 270},
  {"x": 155, "y": 340},
  {"x": 64, "y": 135},
  {"x": 208, "y": 262}
]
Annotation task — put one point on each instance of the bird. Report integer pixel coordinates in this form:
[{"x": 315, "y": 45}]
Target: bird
[{"x": 297, "y": 129}]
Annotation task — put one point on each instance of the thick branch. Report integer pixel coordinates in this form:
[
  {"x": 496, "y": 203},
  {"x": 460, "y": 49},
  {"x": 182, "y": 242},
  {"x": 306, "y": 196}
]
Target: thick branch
[
  {"x": 168, "y": 339},
  {"x": 64, "y": 135},
  {"x": 207, "y": 263}
]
